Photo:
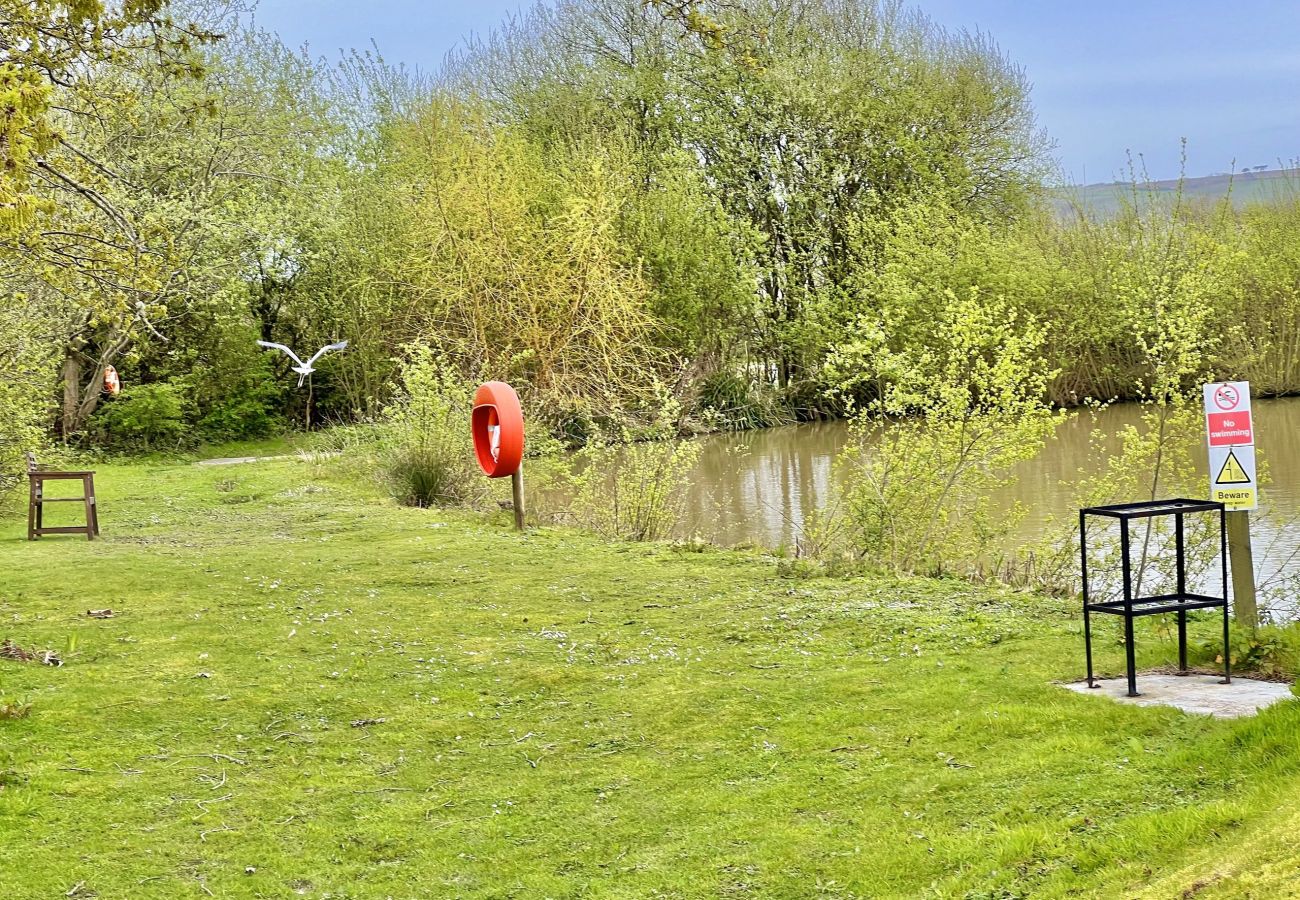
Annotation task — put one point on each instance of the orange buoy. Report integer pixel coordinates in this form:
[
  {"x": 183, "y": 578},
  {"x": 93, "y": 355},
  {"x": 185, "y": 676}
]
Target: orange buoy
[
  {"x": 112, "y": 384},
  {"x": 497, "y": 422}
]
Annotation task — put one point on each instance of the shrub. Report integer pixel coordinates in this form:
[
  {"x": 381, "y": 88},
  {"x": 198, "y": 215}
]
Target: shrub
[
  {"x": 1166, "y": 284},
  {"x": 241, "y": 417},
  {"x": 426, "y": 452},
  {"x": 14, "y": 709},
  {"x": 635, "y": 490},
  {"x": 730, "y": 402},
  {"x": 146, "y": 417},
  {"x": 948, "y": 428},
  {"x": 238, "y": 401}
]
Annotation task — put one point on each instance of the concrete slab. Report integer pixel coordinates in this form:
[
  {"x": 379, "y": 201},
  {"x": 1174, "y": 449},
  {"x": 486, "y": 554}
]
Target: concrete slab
[{"x": 1193, "y": 693}]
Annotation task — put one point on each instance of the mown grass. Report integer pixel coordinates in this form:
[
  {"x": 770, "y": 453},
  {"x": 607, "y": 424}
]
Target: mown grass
[{"x": 306, "y": 690}]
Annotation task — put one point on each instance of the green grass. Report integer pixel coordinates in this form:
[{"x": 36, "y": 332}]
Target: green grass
[{"x": 564, "y": 718}]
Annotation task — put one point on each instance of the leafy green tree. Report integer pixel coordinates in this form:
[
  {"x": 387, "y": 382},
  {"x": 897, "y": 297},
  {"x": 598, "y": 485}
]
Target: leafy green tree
[
  {"x": 52, "y": 49},
  {"x": 510, "y": 259},
  {"x": 803, "y": 118},
  {"x": 165, "y": 191}
]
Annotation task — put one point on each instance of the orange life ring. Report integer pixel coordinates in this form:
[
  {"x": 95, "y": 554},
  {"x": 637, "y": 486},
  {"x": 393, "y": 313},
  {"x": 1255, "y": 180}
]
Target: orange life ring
[
  {"x": 112, "y": 384},
  {"x": 497, "y": 423}
]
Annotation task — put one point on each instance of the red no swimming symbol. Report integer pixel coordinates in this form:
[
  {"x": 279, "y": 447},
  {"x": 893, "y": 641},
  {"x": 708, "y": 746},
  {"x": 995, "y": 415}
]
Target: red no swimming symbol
[{"x": 1226, "y": 397}]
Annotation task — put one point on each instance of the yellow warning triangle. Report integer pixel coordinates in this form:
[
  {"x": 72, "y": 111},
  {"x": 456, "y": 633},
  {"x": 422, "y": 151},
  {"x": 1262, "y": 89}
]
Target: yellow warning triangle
[{"x": 1232, "y": 472}]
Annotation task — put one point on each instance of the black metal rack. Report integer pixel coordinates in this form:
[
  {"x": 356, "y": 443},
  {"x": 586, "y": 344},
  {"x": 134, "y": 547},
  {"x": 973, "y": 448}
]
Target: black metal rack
[{"x": 1180, "y": 601}]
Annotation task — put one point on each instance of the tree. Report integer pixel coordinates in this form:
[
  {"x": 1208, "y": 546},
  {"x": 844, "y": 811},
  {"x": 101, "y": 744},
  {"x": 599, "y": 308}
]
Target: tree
[
  {"x": 855, "y": 109},
  {"x": 164, "y": 188},
  {"x": 801, "y": 118},
  {"x": 50, "y": 47},
  {"x": 511, "y": 255}
]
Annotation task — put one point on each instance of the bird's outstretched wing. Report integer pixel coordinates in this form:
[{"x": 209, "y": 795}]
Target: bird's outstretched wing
[
  {"x": 268, "y": 345},
  {"x": 341, "y": 345}
]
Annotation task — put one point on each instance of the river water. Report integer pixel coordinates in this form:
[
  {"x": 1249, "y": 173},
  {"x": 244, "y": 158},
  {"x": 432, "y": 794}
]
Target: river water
[{"x": 759, "y": 487}]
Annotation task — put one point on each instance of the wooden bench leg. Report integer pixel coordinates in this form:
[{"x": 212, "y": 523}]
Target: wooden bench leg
[
  {"x": 88, "y": 492},
  {"x": 31, "y": 509}
]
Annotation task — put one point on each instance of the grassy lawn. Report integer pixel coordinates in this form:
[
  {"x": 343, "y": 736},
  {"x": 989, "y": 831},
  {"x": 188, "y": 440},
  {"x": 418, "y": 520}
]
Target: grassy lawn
[{"x": 308, "y": 691}]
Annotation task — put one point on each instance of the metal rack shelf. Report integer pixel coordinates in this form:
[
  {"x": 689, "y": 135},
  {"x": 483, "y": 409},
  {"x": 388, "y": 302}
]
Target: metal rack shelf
[{"x": 1181, "y": 601}]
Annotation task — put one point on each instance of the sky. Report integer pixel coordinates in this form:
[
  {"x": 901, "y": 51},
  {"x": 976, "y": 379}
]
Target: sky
[{"x": 1109, "y": 78}]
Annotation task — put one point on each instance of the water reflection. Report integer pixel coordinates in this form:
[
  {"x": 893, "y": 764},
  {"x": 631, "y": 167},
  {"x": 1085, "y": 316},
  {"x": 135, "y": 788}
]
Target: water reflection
[{"x": 760, "y": 487}]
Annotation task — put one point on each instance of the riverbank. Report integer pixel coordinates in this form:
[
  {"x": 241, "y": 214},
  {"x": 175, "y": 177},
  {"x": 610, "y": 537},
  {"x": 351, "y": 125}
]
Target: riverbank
[{"x": 305, "y": 688}]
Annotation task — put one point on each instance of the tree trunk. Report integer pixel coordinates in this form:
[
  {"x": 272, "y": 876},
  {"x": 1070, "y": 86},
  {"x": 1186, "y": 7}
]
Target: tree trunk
[
  {"x": 80, "y": 401},
  {"x": 71, "y": 395}
]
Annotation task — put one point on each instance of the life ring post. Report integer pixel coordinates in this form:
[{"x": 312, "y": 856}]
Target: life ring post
[
  {"x": 517, "y": 490},
  {"x": 497, "y": 424}
]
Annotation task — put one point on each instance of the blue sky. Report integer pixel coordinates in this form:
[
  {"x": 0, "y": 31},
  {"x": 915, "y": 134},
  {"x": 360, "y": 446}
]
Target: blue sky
[{"x": 1108, "y": 76}]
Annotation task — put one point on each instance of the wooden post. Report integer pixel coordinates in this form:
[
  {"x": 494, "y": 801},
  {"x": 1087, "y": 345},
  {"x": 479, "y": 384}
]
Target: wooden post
[
  {"x": 1243, "y": 570},
  {"x": 517, "y": 488}
]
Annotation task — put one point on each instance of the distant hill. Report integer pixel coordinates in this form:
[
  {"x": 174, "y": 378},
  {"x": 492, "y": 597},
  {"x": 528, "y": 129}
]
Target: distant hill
[{"x": 1105, "y": 200}]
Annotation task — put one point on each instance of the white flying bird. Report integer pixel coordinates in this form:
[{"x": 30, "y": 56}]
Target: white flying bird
[{"x": 303, "y": 368}]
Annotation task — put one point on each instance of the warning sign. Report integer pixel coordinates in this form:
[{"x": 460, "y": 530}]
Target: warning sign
[
  {"x": 1227, "y": 396},
  {"x": 1230, "y": 429},
  {"x": 1231, "y": 437},
  {"x": 1231, "y": 471}
]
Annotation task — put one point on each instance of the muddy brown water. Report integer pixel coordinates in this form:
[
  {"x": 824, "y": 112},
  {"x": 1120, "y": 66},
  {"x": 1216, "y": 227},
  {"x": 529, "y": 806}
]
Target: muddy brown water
[{"x": 759, "y": 487}]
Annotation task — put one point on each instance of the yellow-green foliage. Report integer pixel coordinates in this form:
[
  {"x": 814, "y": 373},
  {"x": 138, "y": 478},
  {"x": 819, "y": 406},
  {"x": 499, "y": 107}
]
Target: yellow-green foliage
[
  {"x": 23, "y": 101},
  {"x": 1144, "y": 305},
  {"x": 634, "y": 488},
  {"x": 955, "y": 383},
  {"x": 49, "y": 43},
  {"x": 946, "y": 430},
  {"x": 1264, "y": 305},
  {"x": 27, "y": 370},
  {"x": 425, "y": 449},
  {"x": 514, "y": 266},
  {"x": 1170, "y": 283}
]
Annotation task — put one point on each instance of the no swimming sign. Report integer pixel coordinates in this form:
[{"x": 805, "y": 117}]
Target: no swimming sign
[{"x": 1230, "y": 430}]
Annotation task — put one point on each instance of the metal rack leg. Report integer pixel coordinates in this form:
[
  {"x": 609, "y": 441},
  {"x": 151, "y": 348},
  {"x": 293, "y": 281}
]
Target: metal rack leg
[
  {"x": 1083, "y": 570},
  {"x": 1087, "y": 645},
  {"x": 1132, "y": 661},
  {"x": 1182, "y": 642},
  {"x": 1227, "y": 652},
  {"x": 1127, "y": 567}
]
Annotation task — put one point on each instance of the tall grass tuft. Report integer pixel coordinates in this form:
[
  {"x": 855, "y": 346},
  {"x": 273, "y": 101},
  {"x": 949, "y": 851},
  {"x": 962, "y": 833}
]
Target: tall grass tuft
[
  {"x": 14, "y": 709},
  {"x": 424, "y": 452}
]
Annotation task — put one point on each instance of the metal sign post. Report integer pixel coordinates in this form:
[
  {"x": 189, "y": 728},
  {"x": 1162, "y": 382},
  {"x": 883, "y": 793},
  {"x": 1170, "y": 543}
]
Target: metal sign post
[{"x": 1230, "y": 430}]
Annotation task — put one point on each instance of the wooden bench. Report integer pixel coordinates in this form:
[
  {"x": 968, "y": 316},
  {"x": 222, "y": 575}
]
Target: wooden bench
[{"x": 36, "y": 478}]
